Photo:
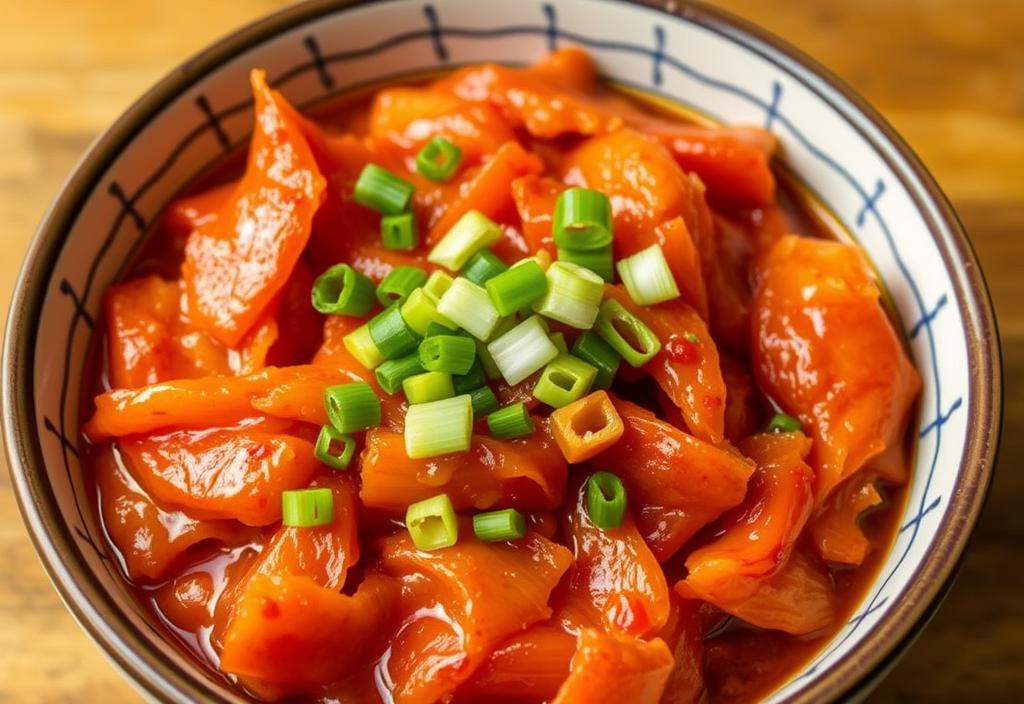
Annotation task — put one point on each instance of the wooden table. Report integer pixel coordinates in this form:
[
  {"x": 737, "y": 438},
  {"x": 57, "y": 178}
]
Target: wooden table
[{"x": 948, "y": 73}]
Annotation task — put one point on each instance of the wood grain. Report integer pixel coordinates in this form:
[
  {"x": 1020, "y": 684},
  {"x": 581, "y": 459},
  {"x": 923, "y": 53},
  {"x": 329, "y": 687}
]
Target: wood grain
[{"x": 949, "y": 74}]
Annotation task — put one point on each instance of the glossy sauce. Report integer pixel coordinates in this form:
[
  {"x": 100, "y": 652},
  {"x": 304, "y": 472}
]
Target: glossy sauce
[{"x": 743, "y": 663}]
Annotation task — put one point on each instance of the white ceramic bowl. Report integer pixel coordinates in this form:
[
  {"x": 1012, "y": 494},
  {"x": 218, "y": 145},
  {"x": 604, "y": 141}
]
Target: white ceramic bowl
[{"x": 715, "y": 64}]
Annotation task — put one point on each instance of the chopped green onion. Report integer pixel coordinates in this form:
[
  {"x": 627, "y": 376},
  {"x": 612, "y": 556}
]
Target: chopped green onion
[
  {"x": 483, "y": 355},
  {"x": 512, "y": 421},
  {"x": 360, "y": 345},
  {"x": 518, "y": 287},
  {"x": 341, "y": 290},
  {"x": 647, "y": 277},
  {"x": 564, "y": 380},
  {"x": 783, "y": 423},
  {"x": 558, "y": 340},
  {"x": 626, "y": 333},
  {"x": 473, "y": 232},
  {"x": 438, "y": 283},
  {"x": 573, "y": 296},
  {"x": 475, "y": 377},
  {"x": 420, "y": 310},
  {"x": 439, "y": 427},
  {"x": 380, "y": 190},
  {"x": 592, "y": 349},
  {"x": 432, "y": 523},
  {"x": 391, "y": 333},
  {"x": 434, "y": 328},
  {"x": 307, "y": 508},
  {"x": 522, "y": 350},
  {"x": 327, "y": 450},
  {"x": 484, "y": 401},
  {"x": 468, "y": 306},
  {"x": 447, "y": 353},
  {"x": 483, "y": 266},
  {"x": 399, "y": 232},
  {"x": 399, "y": 283},
  {"x": 428, "y": 386},
  {"x": 606, "y": 500},
  {"x": 494, "y": 526},
  {"x": 598, "y": 261},
  {"x": 352, "y": 407},
  {"x": 393, "y": 372},
  {"x": 438, "y": 159},
  {"x": 582, "y": 220}
]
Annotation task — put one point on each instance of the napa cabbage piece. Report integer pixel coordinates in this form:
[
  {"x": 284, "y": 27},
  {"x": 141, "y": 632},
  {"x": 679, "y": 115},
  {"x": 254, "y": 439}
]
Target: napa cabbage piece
[
  {"x": 460, "y": 604},
  {"x": 677, "y": 484},
  {"x": 526, "y": 473},
  {"x": 824, "y": 349}
]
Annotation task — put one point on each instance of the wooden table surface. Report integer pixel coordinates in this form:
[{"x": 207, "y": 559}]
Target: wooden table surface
[{"x": 949, "y": 74}]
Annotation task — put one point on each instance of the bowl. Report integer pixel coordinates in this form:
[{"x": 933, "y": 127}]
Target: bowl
[{"x": 836, "y": 146}]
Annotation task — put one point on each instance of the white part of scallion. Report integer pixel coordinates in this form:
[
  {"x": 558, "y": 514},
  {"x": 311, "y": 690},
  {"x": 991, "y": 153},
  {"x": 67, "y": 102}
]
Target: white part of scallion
[
  {"x": 522, "y": 350},
  {"x": 470, "y": 307},
  {"x": 573, "y": 297},
  {"x": 647, "y": 277},
  {"x": 474, "y": 231},
  {"x": 439, "y": 427}
]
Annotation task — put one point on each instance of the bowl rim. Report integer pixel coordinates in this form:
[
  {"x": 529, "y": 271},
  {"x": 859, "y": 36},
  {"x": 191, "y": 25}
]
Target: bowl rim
[{"x": 158, "y": 679}]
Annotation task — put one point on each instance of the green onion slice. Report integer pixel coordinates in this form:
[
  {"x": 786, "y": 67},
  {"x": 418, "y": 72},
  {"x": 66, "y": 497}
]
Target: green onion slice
[
  {"x": 469, "y": 307},
  {"x": 399, "y": 232},
  {"x": 472, "y": 379},
  {"x": 558, "y": 340},
  {"x": 432, "y": 523},
  {"x": 341, "y": 290},
  {"x": 399, "y": 283},
  {"x": 647, "y": 277},
  {"x": 606, "y": 500},
  {"x": 439, "y": 427},
  {"x": 474, "y": 231},
  {"x": 482, "y": 267},
  {"x": 438, "y": 283},
  {"x": 582, "y": 220},
  {"x": 307, "y": 508},
  {"x": 360, "y": 345},
  {"x": 512, "y": 421},
  {"x": 428, "y": 386},
  {"x": 393, "y": 372},
  {"x": 454, "y": 354},
  {"x": 598, "y": 261},
  {"x": 352, "y": 407},
  {"x": 522, "y": 350},
  {"x": 380, "y": 190},
  {"x": 573, "y": 296},
  {"x": 595, "y": 351},
  {"x": 334, "y": 449},
  {"x": 438, "y": 159},
  {"x": 484, "y": 401},
  {"x": 783, "y": 423},
  {"x": 494, "y": 526},
  {"x": 518, "y": 287},
  {"x": 391, "y": 333},
  {"x": 626, "y": 333},
  {"x": 420, "y": 310},
  {"x": 564, "y": 380}
]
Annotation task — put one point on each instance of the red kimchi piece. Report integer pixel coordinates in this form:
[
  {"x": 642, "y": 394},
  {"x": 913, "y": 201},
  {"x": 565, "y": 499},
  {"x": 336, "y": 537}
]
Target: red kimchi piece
[
  {"x": 825, "y": 350},
  {"x": 611, "y": 668},
  {"x": 236, "y": 265},
  {"x": 679, "y": 483},
  {"x": 758, "y": 536}
]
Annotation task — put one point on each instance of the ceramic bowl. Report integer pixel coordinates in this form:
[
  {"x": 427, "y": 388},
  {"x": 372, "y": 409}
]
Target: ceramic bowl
[{"x": 846, "y": 155}]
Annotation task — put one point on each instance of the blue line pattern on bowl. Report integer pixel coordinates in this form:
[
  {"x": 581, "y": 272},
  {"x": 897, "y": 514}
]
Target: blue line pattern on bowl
[{"x": 775, "y": 119}]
